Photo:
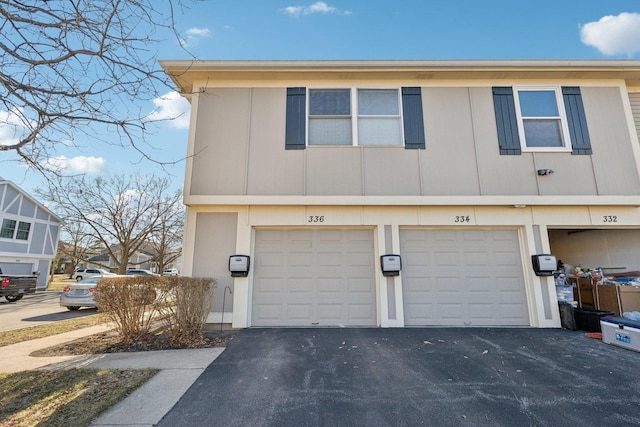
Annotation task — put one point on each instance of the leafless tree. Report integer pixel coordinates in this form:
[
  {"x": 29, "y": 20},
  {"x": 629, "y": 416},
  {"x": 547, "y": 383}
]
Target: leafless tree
[
  {"x": 166, "y": 240},
  {"x": 119, "y": 212},
  {"x": 70, "y": 67},
  {"x": 79, "y": 243}
]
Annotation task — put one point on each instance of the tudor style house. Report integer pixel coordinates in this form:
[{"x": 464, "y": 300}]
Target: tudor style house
[
  {"x": 28, "y": 235},
  {"x": 465, "y": 169}
]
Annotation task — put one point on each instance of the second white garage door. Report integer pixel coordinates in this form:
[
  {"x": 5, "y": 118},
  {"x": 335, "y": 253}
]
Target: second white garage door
[
  {"x": 462, "y": 277},
  {"x": 314, "y": 277}
]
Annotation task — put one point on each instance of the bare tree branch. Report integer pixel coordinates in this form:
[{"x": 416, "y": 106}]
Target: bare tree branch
[
  {"x": 122, "y": 214},
  {"x": 80, "y": 67}
]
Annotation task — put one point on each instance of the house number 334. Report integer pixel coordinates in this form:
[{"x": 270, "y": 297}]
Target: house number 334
[{"x": 316, "y": 218}]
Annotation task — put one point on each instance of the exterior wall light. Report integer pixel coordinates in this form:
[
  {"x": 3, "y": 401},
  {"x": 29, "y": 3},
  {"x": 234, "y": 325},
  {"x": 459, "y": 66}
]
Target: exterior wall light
[{"x": 543, "y": 172}]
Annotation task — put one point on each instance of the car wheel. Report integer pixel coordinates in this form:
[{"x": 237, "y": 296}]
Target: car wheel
[
  {"x": 12, "y": 298},
  {"x": 73, "y": 308},
  {"x": 78, "y": 278}
]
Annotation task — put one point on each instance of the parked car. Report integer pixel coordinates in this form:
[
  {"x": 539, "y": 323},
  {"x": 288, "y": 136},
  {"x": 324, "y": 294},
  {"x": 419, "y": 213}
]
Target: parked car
[
  {"x": 170, "y": 272},
  {"x": 140, "y": 272},
  {"x": 80, "y": 294},
  {"x": 13, "y": 287},
  {"x": 85, "y": 273}
]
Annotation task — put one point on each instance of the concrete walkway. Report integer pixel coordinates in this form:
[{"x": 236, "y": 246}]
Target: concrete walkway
[{"x": 179, "y": 369}]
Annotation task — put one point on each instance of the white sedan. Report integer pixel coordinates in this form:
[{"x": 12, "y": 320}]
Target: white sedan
[{"x": 80, "y": 294}]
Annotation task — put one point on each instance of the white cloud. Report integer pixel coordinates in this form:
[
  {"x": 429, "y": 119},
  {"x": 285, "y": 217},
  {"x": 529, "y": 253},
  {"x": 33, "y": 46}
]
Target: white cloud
[
  {"x": 193, "y": 35},
  {"x": 318, "y": 7},
  {"x": 613, "y": 35},
  {"x": 12, "y": 126},
  {"x": 173, "y": 108},
  {"x": 76, "y": 165}
]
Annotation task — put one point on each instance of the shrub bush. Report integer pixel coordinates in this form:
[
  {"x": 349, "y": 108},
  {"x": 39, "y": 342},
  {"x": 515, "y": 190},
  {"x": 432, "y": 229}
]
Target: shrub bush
[
  {"x": 130, "y": 304},
  {"x": 135, "y": 303},
  {"x": 185, "y": 305}
]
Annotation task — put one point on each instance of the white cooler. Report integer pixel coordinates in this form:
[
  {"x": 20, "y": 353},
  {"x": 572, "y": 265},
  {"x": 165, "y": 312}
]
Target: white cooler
[{"x": 621, "y": 332}]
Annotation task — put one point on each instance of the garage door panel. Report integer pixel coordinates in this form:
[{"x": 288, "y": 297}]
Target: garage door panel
[
  {"x": 297, "y": 285},
  {"x": 462, "y": 277},
  {"x": 444, "y": 259},
  {"x": 327, "y": 278},
  {"x": 360, "y": 285},
  {"x": 361, "y": 312},
  {"x": 330, "y": 285},
  {"x": 270, "y": 312},
  {"x": 270, "y": 285},
  {"x": 301, "y": 312}
]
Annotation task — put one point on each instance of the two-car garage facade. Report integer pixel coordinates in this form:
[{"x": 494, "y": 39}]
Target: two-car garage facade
[
  {"x": 306, "y": 277},
  {"x": 329, "y": 275}
]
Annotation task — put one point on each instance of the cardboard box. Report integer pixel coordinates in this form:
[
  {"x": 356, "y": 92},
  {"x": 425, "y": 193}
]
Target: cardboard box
[
  {"x": 621, "y": 332},
  {"x": 618, "y": 299}
]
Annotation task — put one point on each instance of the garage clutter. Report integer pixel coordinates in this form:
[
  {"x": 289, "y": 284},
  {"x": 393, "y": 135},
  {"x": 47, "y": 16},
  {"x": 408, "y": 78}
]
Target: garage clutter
[{"x": 592, "y": 295}]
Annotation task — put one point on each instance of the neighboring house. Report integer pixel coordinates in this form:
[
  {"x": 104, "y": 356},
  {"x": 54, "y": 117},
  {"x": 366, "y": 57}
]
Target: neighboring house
[
  {"x": 141, "y": 259},
  {"x": 28, "y": 235},
  {"x": 464, "y": 168}
]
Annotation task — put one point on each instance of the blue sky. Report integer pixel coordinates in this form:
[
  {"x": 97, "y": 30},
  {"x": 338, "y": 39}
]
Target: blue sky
[{"x": 358, "y": 29}]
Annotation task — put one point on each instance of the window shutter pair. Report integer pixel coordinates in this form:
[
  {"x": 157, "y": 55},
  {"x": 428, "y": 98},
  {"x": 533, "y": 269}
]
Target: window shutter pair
[
  {"x": 413, "y": 119},
  {"x": 507, "y": 123}
]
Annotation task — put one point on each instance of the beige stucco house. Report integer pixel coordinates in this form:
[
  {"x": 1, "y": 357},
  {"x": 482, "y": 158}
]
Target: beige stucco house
[{"x": 465, "y": 169}]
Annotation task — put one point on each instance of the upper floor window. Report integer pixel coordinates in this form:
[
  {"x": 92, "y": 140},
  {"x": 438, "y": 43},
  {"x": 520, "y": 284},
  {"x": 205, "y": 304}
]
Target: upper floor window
[
  {"x": 541, "y": 119},
  {"x": 372, "y": 119},
  {"x": 8, "y": 228},
  {"x": 351, "y": 117},
  {"x": 9, "y": 231}
]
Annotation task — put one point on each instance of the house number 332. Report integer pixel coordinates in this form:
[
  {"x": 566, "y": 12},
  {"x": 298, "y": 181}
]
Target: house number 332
[
  {"x": 610, "y": 218},
  {"x": 316, "y": 218}
]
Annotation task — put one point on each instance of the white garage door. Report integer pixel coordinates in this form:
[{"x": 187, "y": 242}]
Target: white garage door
[
  {"x": 462, "y": 277},
  {"x": 314, "y": 277}
]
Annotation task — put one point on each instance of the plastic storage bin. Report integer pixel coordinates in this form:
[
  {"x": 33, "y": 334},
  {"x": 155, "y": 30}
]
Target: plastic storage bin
[
  {"x": 621, "y": 332},
  {"x": 589, "y": 320}
]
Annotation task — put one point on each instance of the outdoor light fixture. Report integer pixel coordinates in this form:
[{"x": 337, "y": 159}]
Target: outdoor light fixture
[{"x": 543, "y": 172}]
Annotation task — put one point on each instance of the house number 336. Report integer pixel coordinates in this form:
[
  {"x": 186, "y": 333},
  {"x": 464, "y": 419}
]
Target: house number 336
[{"x": 316, "y": 218}]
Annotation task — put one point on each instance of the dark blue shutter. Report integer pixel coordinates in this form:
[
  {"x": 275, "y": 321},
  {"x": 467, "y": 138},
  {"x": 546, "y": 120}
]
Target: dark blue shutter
[
  {"x": 506, "y": 121},
  {"x": 413, "y": 118},
  {"x": 296, "y": 118},
  {"x": 576, "y": 120}
]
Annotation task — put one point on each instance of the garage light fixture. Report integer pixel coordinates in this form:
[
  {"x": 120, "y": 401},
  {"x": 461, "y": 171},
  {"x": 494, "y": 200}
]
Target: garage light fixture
[{"x": 543, "y": 172}]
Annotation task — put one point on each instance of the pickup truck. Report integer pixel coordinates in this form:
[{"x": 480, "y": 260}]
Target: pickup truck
[{"x": 13, "y": 287}]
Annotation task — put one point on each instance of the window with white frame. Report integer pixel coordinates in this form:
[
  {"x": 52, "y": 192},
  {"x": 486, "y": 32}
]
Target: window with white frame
[
  {"x": 355, "y": 117},
  {"x": 12, "y": 229},
  {"x": 542, "y": 123},
  {"x": 23, "y": 231},
  {"x": 8, "y": 228}
]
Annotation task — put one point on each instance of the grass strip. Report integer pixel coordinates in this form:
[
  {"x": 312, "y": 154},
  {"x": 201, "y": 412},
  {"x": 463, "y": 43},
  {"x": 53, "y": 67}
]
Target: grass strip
[
  {"x": 72, "y": 397},
  {"x": 40, "y": 331}
]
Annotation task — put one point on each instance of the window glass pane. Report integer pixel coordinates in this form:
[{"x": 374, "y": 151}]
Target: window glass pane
[
  {"x": 330, "y": 102},
  {"x": 543, "y": 133},
  {"x": 23, "y": 230},
  {"x": 538, "y": 103},
  {"x": 329, "y": 131},
  {"x": 8, "y": 228},
  {"x": 378, "y": 102},
  {"x": 379, "y": 131}
]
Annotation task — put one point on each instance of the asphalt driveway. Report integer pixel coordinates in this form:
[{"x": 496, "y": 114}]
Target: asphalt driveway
[{"x": 409, "y": 377}]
